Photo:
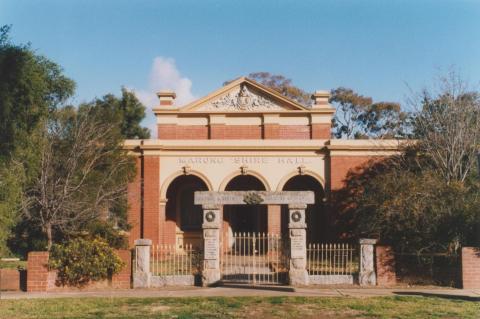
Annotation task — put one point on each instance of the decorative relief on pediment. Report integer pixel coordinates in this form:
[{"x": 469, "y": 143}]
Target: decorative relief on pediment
[{"x": 241, "y": 99}]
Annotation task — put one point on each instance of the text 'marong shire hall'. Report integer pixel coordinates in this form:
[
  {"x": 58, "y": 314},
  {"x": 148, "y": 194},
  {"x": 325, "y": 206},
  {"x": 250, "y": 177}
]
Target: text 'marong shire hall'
[{"x": 241, "y": 137}]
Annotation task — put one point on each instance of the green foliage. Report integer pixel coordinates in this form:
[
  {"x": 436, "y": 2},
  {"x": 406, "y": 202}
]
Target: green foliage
[
  {"x": 403, "y": 204},
  {"x": 127, "y": 111},
  {"x": 108, "y": 232},
  {"x": 30, "y": 87},
  {"x": 11, "y": 178},
  {"x": 80, "y": 261}
]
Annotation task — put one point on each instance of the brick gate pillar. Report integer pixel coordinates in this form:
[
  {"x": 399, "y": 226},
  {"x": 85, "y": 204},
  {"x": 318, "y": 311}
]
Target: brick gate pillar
[
  {"x": 298, "y": 274},
  {"x": 212, "y": 220}
]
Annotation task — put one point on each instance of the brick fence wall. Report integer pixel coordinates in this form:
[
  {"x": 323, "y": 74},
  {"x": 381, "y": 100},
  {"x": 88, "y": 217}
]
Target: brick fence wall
[
  {"x": 40, "y": 279},
  {"x": 9, "y": 279},
  {"x": 471, "y": 267},
  {"x": 385, "y": 266}
]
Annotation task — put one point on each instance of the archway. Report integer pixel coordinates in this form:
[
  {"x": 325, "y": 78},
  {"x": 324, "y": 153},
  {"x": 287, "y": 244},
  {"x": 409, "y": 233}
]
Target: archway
[
  {"x": 245, "y": 218},
  {"x": 316, "y": 218},
  {"x": 184, "y": 218}
]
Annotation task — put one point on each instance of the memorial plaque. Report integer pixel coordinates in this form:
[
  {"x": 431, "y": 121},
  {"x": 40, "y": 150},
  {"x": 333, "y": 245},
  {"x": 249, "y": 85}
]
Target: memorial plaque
[
  {"x": 211, "y": 248},
  {"x": 297, "y": 245},
  {"x": 238, "y": 197}
]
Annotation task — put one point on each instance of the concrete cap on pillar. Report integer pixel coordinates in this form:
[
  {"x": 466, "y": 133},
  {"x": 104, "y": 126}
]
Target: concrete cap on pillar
[
  {"x": 320, "y": 99},
  {"x": 143, "y": 242},
  {"x": 368, "y": 241},
  {"x": 166, "y": 97}
]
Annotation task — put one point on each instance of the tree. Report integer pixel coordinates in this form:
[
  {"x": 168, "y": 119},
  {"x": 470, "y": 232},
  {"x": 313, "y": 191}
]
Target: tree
[
  {"x": 127, "y": 111},
  {"x": 447, "y": 124},
  {"x": 428, "y": 197},
  {"x": 282, "y": 85},
  {"x": 83, "y": 172},
  {"x": 31, "y": 86},
  {"x": 412, "y": 208},
  {"x": 11, "y": 181},
  {"x": 358, "y": 116}
]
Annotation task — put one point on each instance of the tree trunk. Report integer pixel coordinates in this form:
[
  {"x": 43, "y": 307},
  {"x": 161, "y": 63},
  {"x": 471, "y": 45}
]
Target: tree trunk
[{"x": 48, "y": 231}]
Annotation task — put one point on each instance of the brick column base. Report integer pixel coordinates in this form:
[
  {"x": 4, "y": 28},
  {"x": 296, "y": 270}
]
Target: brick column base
[
  {"x": 37, "y": 271},
  {"x": 385, "y": 263},
  {"x": 471, "y": 267}
]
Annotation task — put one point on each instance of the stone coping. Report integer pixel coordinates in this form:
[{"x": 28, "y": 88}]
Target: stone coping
[{"x": 241, "y": 197}]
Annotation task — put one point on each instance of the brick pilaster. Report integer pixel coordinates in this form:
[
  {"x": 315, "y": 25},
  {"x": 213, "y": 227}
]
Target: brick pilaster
[
  {"x": 385, "y": 263},
  {"x": 151, "y": 198},
  {"x": 134, "y": 200},
  {"x": 274, "y": 219},
  {"x": 321, "y": 131},
  {"x": 471, "y": 267},
  {"x": 37, "y": 271}
]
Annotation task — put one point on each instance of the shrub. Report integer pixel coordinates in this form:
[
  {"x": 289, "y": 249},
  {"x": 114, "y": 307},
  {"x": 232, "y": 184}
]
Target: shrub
[{"x": 80, "y": 261}]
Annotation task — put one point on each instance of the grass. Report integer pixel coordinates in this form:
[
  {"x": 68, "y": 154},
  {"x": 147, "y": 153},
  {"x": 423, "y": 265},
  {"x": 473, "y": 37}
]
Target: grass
[{"x": 241, "y": 307}]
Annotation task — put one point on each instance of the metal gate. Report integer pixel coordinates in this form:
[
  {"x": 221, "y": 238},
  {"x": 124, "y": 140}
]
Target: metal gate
[{"x": 255, "y": 258}]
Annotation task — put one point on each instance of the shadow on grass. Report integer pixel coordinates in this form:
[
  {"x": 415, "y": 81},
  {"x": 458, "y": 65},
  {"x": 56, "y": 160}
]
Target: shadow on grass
[
  {"x": 444, "y": 296},
  {"x": 257, "y": 287}
]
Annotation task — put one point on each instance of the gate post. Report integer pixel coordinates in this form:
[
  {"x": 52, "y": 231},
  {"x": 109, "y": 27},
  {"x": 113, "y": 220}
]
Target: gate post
[
  {"x": 142, "y": 275},
  {"x": 211, "y": 244},
  {"x": 298, "y": 274},
  {"x": 367, "y": 276}
]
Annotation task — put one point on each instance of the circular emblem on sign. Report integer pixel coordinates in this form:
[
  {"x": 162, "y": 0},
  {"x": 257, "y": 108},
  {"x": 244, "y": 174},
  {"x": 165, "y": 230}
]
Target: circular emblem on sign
[
  {"x": 210, "y": 216},
  {"x": 296, "y": 216}
]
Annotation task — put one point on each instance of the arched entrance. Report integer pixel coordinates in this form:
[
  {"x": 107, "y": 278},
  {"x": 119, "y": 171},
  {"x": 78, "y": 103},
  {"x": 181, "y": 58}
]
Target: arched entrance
[
  {"x": 183, "y": 217},
  {"x": 316, "y": 218},
  {"x": 245, "y": 218}
]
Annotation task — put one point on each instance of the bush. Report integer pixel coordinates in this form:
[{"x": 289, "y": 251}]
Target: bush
[{"x": 80, "y": 261}]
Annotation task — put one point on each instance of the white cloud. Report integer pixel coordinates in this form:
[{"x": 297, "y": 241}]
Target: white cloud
[{"x": 164, "y": 75}]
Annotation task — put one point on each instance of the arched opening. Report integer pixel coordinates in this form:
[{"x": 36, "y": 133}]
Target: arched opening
[
  {"x": 245, "y": 218},
  {"x": 316, "y": 219},
  {"x": 181, "y": 211}
]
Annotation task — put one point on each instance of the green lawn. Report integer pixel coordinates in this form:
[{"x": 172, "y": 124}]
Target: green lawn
[{"x": 240, "y": 307}]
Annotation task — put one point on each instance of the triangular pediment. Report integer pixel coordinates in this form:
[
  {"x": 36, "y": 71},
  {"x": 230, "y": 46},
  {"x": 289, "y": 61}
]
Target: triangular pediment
[{"x": 243, "y": 95}]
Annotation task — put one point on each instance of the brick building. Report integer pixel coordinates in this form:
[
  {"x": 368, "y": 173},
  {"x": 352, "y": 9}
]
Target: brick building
[{"x": 243, "y": 136}]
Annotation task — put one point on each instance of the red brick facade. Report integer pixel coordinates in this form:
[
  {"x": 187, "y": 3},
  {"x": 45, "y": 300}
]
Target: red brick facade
[
  {"x": 182, "y": 132},
  {"x": 277, "y": 138},
  {"x": 134, "y": 200},
  {"x": 471, "y": 267},
  {"x": 321, "y": 131},
  {"x": 222, "y": 131},
  {"x": 151, "y": 198},
  {"x": 340, "y": 166}
]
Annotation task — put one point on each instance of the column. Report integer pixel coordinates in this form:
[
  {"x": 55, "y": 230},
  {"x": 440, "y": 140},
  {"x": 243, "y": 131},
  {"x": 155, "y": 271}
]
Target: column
[
  {"x": 142, "y": 275},
  {"x": 212, "y": 220},
  {"x": 298, "y": 274},
  {"x": 367, "y": 276}
]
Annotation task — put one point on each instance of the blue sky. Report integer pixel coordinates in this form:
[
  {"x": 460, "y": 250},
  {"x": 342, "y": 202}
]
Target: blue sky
[{"x": 374, "y": 47}]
